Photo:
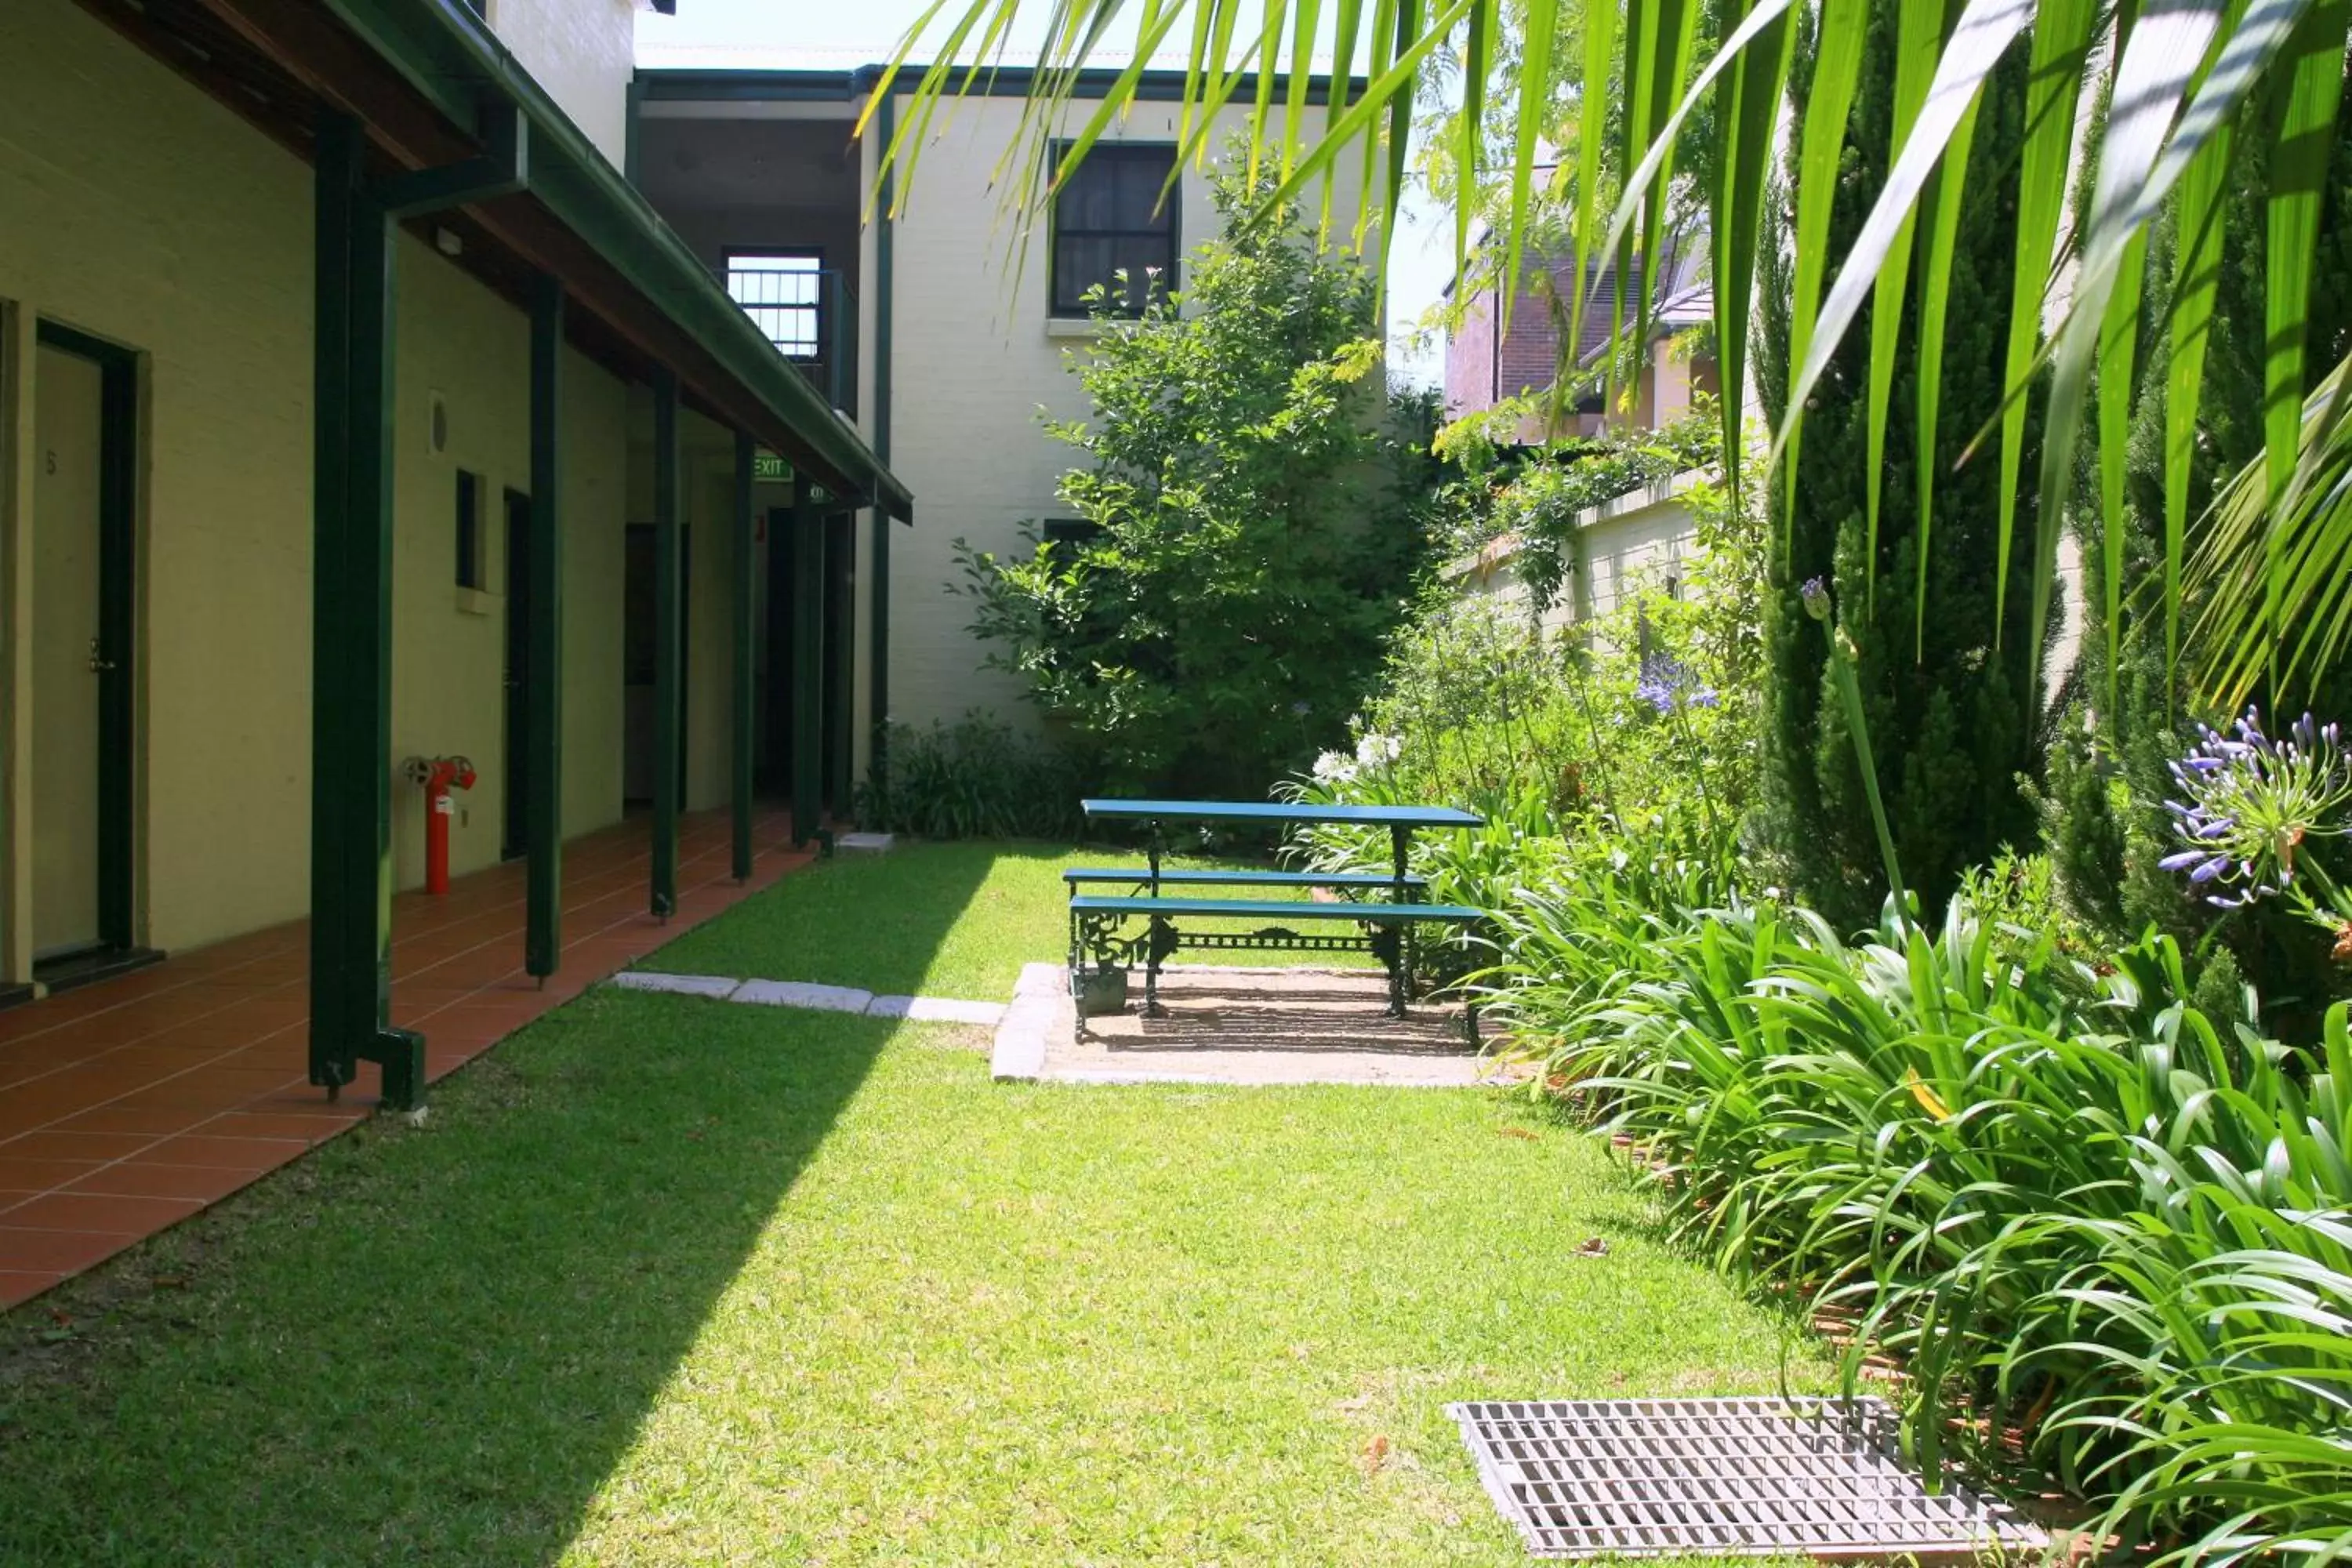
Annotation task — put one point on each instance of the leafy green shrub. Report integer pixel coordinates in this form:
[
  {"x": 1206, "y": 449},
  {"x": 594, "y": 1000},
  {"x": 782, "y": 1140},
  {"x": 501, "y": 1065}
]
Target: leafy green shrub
[
  {"x": 1632, "y": 735},
  {"x": 1542, "y": 496},
  {"x": 975, "y": 778},
  {"x": 1253, "y": 515},
  {"x": 2071, "y": 1206},
  {"x": 1479, "y": 707}
]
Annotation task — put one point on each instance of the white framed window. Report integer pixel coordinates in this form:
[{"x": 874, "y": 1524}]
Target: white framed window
[{"x": 784, "y": 293}]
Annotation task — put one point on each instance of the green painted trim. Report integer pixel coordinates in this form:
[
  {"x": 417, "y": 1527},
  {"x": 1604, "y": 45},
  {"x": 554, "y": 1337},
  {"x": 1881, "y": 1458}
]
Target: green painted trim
[
  {"x": 449, "y": 54},
  {"x": 885, "y": 272},
  {"x": 840, "y": 659},
  {"x": 808, "y": 660},
  {"x": 633, "y": 135},
  {"x": 740, "y": 659},
  {"x": 543, "y": 693},
  {"x": 118, "y": 557},
  {"x": 350, "y": 632},
  {"x": 500, "y": 171},
  {"x": 708, "y": 85},
  {"x": 669, "y": 647}
]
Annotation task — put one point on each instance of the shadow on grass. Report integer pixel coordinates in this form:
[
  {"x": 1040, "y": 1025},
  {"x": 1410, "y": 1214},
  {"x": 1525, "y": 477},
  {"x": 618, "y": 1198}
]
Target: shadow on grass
[
  {"x": 436, "y": 1343},
  {"x": 427, "y": 1343}
]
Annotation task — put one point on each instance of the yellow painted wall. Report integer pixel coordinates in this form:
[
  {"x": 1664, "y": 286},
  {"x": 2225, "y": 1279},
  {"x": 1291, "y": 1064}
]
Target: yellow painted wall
[
  {"x": 183, "y": 233},
  {"x": 706, "y": 496},
  {"x": 459, "y": 339}
]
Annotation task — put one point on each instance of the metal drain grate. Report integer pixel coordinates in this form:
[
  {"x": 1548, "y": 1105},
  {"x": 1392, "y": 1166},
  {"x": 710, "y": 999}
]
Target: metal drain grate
[{"x": 1739, "y": 1477}]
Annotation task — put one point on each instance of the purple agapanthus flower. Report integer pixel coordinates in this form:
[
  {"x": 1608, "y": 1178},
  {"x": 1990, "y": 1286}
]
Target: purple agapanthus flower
[
  {"x": 2248, "y": 804},
  {"x": 1665, "y": 681},
  {"x": 1816, "y": 595}
]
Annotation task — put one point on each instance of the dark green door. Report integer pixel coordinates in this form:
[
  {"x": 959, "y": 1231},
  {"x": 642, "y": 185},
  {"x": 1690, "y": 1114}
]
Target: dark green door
[
  {"x": 86, "y": 436},
  {"x": 514, "y": 839}
]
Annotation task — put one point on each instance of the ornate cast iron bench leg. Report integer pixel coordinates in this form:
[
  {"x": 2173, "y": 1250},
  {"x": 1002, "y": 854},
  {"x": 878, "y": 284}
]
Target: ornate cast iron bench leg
[
  {"x": 1077, "y": 980},
  {"x": 1398, "y": 954},
  {"x": 1388, "y": 946},
  {"x": 1158, "y": 942}
]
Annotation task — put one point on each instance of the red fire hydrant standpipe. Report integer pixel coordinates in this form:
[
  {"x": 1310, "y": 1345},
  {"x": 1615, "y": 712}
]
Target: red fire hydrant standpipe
[{"x": 439, "y": 775}]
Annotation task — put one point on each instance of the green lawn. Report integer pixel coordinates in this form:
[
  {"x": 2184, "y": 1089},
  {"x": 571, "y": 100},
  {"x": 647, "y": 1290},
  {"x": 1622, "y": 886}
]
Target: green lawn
[
  {"x": 663, "y": 1281},
  {"x": 925, "y": 920}
]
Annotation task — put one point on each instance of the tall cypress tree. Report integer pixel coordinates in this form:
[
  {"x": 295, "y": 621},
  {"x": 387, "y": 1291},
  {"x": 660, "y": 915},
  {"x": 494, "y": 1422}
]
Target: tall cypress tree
[
  {"x": 1950, "y": 721},
  {"x": 2108, "y": 778}
]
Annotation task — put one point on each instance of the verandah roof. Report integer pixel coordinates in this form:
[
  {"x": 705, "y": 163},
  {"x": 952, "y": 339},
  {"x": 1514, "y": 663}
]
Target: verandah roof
[{"x": 421, "y": 77}]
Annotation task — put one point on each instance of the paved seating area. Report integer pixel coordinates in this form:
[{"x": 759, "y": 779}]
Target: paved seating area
[{"x": 128, "y": 1105}]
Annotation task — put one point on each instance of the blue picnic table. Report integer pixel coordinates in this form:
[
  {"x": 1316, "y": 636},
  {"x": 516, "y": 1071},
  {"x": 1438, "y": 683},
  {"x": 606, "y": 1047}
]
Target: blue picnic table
[{"x": 1388, "y": 927}]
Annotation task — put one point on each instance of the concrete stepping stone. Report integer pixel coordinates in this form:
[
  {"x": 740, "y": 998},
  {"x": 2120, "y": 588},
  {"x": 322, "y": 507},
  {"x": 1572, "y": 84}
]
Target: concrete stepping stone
[
  {"x": 937, "y": 1010},
  {"x": 803, "y": 994},
  {"x": 719, "y": 987}
]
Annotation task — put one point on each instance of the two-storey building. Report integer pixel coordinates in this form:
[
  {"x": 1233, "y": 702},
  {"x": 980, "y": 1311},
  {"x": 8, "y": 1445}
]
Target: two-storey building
[{"x": 930, "y": 318}]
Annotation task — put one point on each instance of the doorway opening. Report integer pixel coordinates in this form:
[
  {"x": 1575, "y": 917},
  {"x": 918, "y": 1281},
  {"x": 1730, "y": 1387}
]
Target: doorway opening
[
  {"x": 639, "y": 638},
  {"x": 835, "y": 689},
  {"x": 514, "y": 832},
  {"x": 84, "y": 639}
]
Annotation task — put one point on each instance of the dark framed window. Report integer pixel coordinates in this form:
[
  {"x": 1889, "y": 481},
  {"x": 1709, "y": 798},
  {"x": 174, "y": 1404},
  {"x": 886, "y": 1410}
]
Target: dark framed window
[
  {"x": 1061, "y": 538},
  {"x": 1110, "y": 227},
  {"x": 470, "y": 572},
  {"x": 784, "y": 293}
]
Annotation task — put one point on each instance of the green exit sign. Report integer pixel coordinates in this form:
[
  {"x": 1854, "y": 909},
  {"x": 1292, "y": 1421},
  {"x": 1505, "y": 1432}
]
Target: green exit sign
[{"x": 770, "y": 468}]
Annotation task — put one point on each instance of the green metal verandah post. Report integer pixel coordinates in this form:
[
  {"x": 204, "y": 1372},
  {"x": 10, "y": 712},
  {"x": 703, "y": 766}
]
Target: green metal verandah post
[
  {"x": 669, "y": 647},
  {"x": 808, "y": 658},
  {"x": 351, "y": 634},
  {"x": 739, "y": 657},
  {"x": 544, "y": 696},
  {"x": 877, "y": 716}
]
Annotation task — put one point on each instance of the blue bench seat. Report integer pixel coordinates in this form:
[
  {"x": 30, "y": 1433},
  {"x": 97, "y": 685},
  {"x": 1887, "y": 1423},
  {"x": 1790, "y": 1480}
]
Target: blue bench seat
[
  {"x": 1084, "y": 875},
  {"x": 1261, "y": 908}
]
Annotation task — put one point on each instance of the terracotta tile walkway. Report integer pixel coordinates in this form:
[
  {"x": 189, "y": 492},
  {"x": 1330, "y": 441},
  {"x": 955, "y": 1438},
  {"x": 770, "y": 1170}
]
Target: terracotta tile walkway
[{"x": 129, "y": 1105}]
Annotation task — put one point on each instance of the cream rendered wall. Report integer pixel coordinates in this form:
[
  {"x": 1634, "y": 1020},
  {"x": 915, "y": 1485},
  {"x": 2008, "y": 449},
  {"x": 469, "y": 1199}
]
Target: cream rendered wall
[
  {"x": 583, "y": 52},
  {"x": 1637, "y": 549},
  {"x": 977, "y": 361},
  {"x": 184, "y": 233},
  {"x": 1634, "y": 544}
]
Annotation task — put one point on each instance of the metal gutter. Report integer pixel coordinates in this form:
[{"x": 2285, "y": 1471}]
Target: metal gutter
[
  {"x": 447, "y": 53},
  {"x": 699, "y": 84}
]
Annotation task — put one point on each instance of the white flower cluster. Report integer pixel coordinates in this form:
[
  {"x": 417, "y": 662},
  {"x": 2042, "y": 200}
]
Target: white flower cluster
[{"x": 1374, "y": 752}]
